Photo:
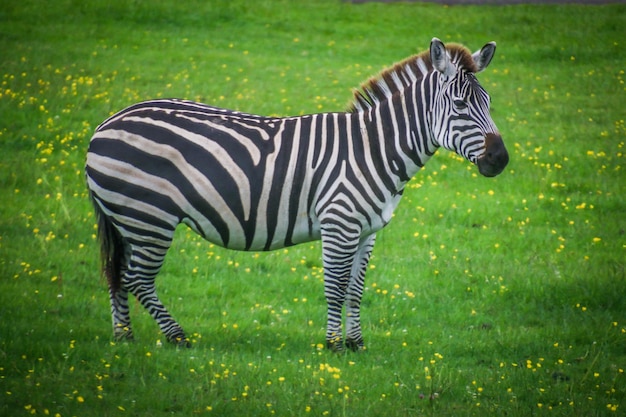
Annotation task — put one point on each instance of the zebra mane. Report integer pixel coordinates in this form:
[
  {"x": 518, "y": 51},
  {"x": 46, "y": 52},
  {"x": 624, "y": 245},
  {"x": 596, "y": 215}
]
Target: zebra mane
[{"x": 401, "y": 75}]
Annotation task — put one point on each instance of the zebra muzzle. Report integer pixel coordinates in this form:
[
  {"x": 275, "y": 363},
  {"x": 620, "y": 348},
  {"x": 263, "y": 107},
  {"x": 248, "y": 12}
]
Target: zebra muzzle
[{"x": 495, "y": 158}]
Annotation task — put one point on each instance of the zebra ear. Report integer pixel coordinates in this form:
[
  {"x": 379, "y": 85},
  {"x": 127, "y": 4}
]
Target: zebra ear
[
  {"x": 483, "y": 57},
  {"x": 440, "y": 59}
]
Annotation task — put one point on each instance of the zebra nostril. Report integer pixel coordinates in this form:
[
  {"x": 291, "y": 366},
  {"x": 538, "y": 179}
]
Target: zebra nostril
[
  {"x": 495, "y": 150},
  {"x": 497, "y": 156},
  {"x": 500, "y": 156}
]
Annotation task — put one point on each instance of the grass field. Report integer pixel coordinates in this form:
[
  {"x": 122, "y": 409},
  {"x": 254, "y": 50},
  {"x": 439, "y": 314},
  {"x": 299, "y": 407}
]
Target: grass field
[{"x": 500, "y": 296}]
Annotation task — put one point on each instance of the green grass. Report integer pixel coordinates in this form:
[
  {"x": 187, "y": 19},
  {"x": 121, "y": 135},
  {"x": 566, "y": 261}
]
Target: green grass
[{"x": 494, "y": 297}]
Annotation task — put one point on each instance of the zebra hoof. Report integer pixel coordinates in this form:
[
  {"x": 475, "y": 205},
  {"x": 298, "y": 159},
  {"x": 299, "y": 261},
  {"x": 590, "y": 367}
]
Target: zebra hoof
[
  {"x": 355, "y": 345},
  {"x": 181, "y": 342},
  {"x": 335, "y": 346},
  {"x": 184, "y": 343},
  {"x": 123, "y": 334}
]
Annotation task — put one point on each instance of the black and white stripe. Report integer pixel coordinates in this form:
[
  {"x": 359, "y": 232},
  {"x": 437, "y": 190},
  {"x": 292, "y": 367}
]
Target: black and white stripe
[{"x": 249, "y": 182}]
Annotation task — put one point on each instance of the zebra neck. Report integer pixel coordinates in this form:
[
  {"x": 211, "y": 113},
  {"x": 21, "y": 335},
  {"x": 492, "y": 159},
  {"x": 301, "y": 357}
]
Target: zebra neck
[{"x": 397, "y": 133}]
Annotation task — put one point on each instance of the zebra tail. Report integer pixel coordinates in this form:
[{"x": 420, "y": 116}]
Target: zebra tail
[{"x": 111, "y": 248}]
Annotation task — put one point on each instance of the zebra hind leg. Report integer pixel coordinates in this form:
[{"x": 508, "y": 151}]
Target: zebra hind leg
[
  {"x": 120, "y": 314},
  {"x": 139, "y": 280},
  {"x": 115, "y": 252}
]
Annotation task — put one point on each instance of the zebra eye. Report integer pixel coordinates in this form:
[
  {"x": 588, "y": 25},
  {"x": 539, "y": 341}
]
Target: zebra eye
[{"x": 460, "y": 104}]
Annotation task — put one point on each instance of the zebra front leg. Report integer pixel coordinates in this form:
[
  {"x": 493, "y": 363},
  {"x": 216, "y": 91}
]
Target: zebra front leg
[
  {"x": 334, "y": 291},
  {"x": 354, "y": 336},
  {"x": 338, "y": 251}
]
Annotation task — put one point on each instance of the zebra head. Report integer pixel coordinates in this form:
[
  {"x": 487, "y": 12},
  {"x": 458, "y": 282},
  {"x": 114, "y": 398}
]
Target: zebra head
[{"x": 460, "y": 117}]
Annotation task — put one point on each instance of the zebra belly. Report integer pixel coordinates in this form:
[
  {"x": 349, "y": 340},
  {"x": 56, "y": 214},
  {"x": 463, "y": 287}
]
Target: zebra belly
[{"x": 305, "y": 230}]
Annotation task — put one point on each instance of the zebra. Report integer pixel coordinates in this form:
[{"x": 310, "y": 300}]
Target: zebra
[{"x": 254, "y": 183}]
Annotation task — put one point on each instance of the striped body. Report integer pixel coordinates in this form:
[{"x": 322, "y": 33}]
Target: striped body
[
  {"x": 241, "y": 181},
  {"x": 249, "y": 182}
]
